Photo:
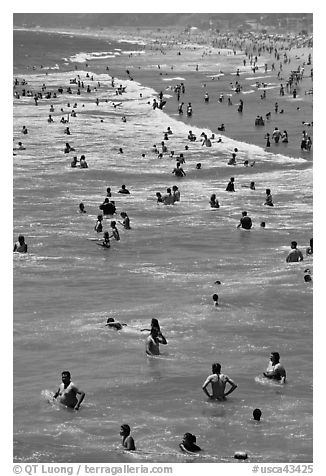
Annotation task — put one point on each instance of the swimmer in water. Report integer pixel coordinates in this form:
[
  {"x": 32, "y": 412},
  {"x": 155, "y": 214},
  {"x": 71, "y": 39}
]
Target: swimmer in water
[
  {"x": 114, "y": 324},
  {"x": 188, "y": 444},
  {"x": 218, "y": 382},
  {"x": 275, "y": 370},
  {"x": 20, "y": 246},
  {"x": 82, "y": 208},
  {"x": 215, "y": 299},
  {"x": 153, "y": 342},
  {"x": 256, "y": 414},
  {"x": 127, "y": 440},
  {"x": 307, "y": 277},
  {"x": 68, "y": 392}
]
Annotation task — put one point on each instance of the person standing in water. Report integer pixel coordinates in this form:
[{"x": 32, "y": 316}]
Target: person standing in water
[
  {"x": 126, "y": 221},
  {"x": 218, "y": 382},
  {"x": 275, "y": 369},
  {"x": 127, "y": 440},
  {"x": 68, "y": 392},
  {"x": 153, "y": 342},
  {"x": 245, "y": 221},
  {"x": 20, "y": 246},
  {"x": 295, "y": 255},
  {"x": 269, "y": 198}
]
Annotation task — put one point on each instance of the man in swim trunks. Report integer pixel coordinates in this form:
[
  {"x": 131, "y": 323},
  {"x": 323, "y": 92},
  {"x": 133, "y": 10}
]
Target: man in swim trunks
[
  {"x": 245, "y": 221},
  {"x": 275, "y": 370},
  {"x": 153, "y": 342},
  {"x": 67, "y": 392},
  {"x": 218, "y": 382}
]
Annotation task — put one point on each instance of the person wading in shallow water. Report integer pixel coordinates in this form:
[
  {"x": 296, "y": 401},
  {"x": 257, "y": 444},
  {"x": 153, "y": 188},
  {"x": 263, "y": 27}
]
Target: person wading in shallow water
[{"x": 218, "y": 382}]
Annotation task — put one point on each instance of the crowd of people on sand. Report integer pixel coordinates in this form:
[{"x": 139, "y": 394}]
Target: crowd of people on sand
[{"x": 68, "y": 394}]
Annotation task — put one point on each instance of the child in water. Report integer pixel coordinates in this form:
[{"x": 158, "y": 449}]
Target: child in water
[{"x": 115, "y": 232}]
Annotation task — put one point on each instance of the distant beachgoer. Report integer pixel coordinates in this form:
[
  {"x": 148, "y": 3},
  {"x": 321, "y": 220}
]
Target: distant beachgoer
[
  {"x": 82, "y": 208},
  {"x": 20, "y": 146},
  {"x": 215, "y": 299},
  {"x": 115, "y": 232},
  {"x": 295, "y": 255},
  {"x": 276, "y": 135},
  {"x": 24, "y": 130},
  {"x": 275, "y": 370},
  {"x": 307, "y": 275},
  {"x": 221, "y": 128},
  {"x": 198, "y": 166},
  {"x": 230, "y": 185},
  {"x": 68, "y": 148},
  {"x": 168, "y": 199},
  {"x": 232, "y": 161},
  {"x": 178, "y": 171},
  {"x": 269, "y": 198},
  {"x": 83, "y": 163},
  {"x": 127, "y": 440},
  {"x": 245, "y": 221},
  {"x": 285, "y": 137},
  {"x": 73, "y": 163},
  {"x": 252, "y": 186},
  {"x": 153, "y": 342},
  {"x": 108, "y": 192},
  {"x": 107, "y": 207},
  {"x": 20, "y": 246},
  {"x": 268, "y": 141},
  {"x": 263, "y": 224},
  {"x": 114, "y": 324},
  {"x": 106, "y": 240},
  {"x": 256, "y": 414},
  {"x": 124, "y": 190},
  {"x": 99, "y": 225},
  {"x": 218, "y": 382},
  {"x": 159, "y": 197},
  {"x": 188, "y": 444},
  {"x": 176, "y": 193},
  {"x": 214, "y": 202},
  {"x": 309, "y": 250},
  {"x": 126, "y": 221},
  {"x": 191, "y": 136},
  {"x": 69, "y": 395}
]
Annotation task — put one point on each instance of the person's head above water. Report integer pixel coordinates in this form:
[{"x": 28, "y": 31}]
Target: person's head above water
[
  {"x": 275, "y": 358},
  {"x": 109, "y": 319},
  {"x": 215, "y": 297},
  {"x": 21, "y": 239},
  {"x": 216, "y": 368},
  {"x": 263, "y": 224},
  {"x": 244, "y": 214},
  {"x": 125, "y": 430},
  {"x": 256, "y": 414},
  {"x": 294, "y": 244}
]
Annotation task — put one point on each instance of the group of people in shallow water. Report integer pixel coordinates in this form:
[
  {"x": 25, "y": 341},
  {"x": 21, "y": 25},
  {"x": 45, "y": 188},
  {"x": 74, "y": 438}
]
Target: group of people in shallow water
[{"x": 70, "y": 396}]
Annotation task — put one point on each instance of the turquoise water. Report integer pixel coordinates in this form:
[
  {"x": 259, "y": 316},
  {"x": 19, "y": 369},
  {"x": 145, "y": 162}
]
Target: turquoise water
[{"x": 164, "y": 267}]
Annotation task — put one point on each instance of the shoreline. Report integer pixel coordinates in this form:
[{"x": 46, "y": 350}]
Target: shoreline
[{"x": 180, "y": 61}]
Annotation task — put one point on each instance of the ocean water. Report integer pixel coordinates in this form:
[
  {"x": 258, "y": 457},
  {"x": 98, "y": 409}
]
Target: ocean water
[{"x": 164, "y": 267}]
